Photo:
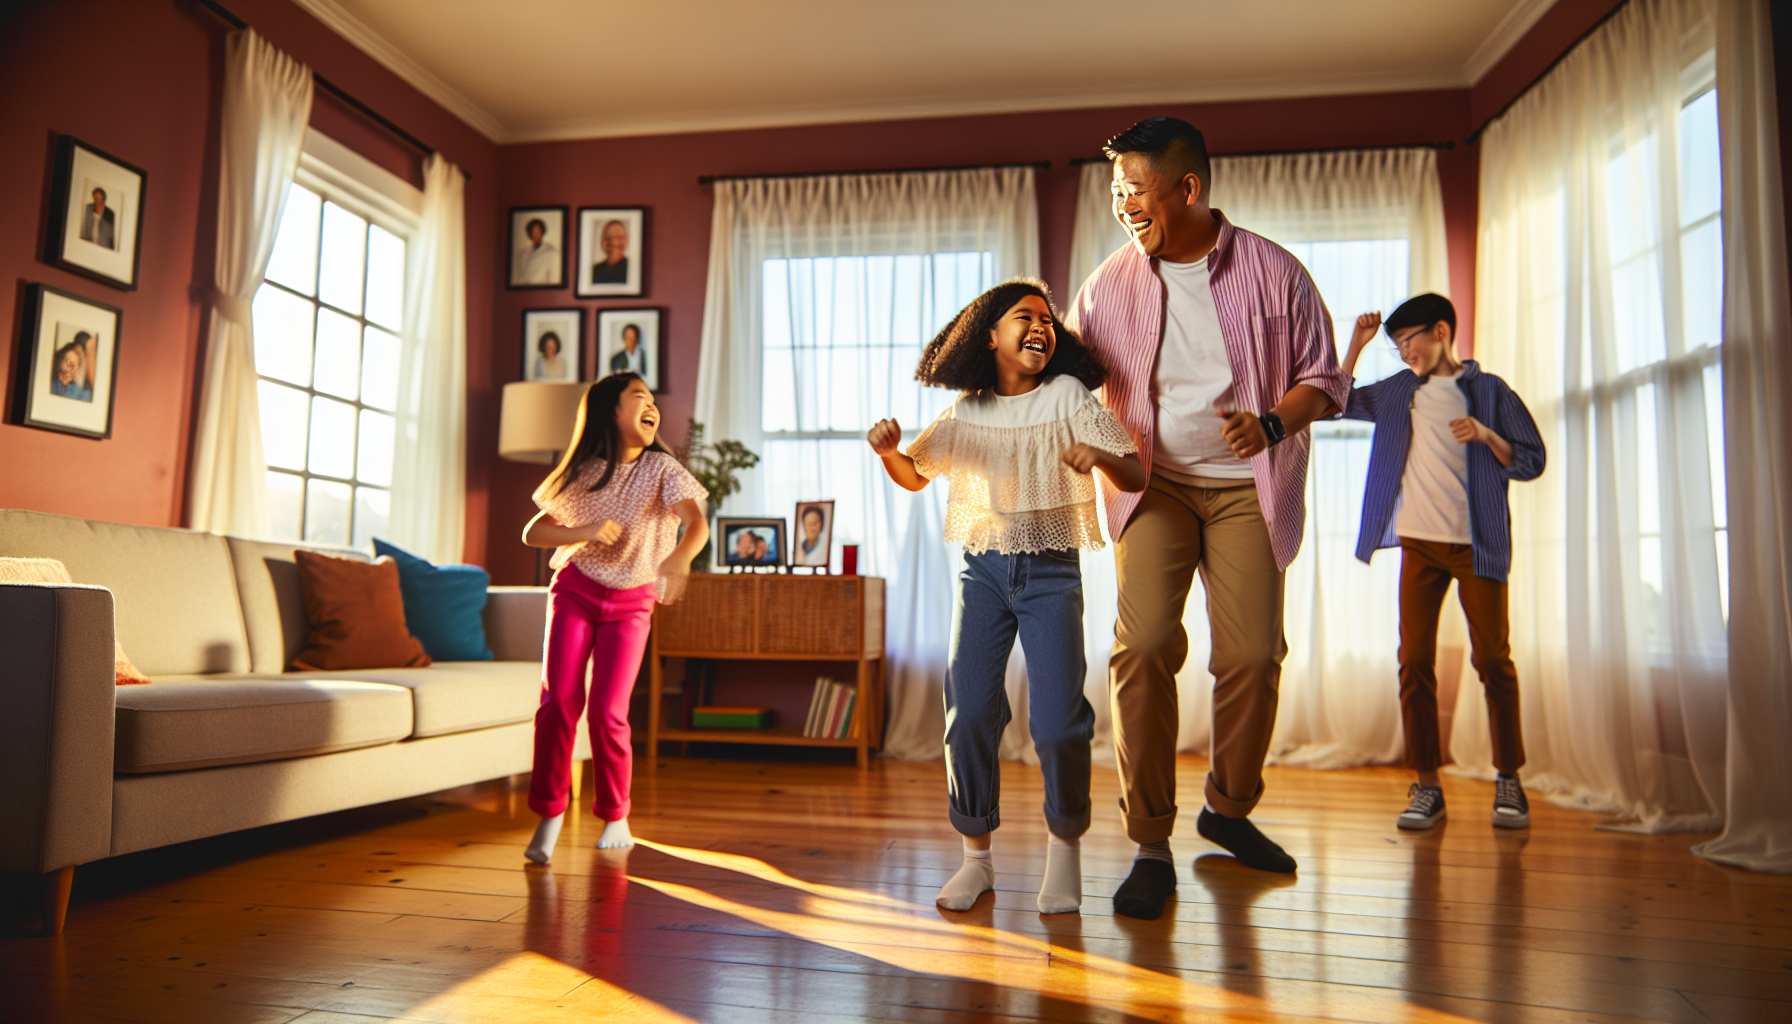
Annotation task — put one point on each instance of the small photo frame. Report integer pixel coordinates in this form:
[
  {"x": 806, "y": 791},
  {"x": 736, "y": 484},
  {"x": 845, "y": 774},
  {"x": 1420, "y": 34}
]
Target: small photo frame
[
  {"x": 68, "y": 363},
  {"x": 612, "y": 252},
  {"x": 813, "y": 536},
  {"x": 751, "y": 543},
  {"x": 96, "y": 204},
  {"x": 538, "y": 248},
  {"x": 630, "y": 339},
  {"x": 553, "y": 342}
]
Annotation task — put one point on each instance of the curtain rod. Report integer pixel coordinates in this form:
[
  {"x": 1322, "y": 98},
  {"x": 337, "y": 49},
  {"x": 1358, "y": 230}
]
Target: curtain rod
[
  {"x": 710, "y": 179},
  {"x": 229, "y": 17},
  {"x": 1475, "y": 136},
  {"x": 1444, "y": 146}
]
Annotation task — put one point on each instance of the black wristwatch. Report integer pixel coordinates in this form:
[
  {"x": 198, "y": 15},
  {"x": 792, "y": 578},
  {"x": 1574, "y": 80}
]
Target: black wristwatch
[{"x": 1272, "y": 428}]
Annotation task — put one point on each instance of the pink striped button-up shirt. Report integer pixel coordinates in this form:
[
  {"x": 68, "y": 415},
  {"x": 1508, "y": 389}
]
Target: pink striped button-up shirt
[{"x": 1277, "y": 332}]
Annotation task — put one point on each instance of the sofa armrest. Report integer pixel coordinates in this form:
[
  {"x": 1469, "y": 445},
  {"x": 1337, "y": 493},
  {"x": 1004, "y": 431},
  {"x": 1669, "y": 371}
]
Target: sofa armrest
[
  {"x": 516, "y": 620},
  {"x": 56, "y": 685}
]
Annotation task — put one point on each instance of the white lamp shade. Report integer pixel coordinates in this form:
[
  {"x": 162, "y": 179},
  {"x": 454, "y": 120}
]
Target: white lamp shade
[{"x": 536, "y": 420}]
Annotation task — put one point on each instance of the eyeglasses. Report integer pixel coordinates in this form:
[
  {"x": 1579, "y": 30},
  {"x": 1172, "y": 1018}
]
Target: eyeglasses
[{"x": 1403, "y": 342}]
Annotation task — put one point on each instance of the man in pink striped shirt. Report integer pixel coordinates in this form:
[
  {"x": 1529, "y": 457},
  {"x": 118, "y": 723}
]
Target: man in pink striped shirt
[{"x": 1219, "y": 354}]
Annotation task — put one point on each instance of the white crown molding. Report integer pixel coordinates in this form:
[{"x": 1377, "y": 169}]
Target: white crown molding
[
  {"x": 365, "y": 39},
  {"x": 899, "y": 110},
  {"x": 1504, "y": 36}
]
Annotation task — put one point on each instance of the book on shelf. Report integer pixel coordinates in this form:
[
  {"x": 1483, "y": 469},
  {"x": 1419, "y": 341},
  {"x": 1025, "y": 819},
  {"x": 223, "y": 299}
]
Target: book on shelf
[
  {"x": 830, "y": 709},
  {"x": 711, "y": 717}
]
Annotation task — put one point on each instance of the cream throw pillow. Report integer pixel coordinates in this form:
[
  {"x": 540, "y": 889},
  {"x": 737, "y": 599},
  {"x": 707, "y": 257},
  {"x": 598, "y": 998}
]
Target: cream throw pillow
[{"x": 50, "y": 570}]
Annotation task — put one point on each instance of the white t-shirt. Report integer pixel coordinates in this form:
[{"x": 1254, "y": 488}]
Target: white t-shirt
[
  {"x": 1434, "y": 488},
  {"x": 1194, "y": 379}
]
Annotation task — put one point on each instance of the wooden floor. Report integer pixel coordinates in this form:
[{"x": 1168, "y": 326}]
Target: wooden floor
[{"x": 804, "y": 893}]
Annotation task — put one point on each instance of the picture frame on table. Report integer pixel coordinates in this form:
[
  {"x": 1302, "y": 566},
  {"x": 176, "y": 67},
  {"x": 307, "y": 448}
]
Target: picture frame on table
[
  {"x": 96, "y": 214},
  {"x": 554, "y": 345},
  {"x": 612, "y": 260},
  {"x": 68, "y": 363},
  {"x": 750, "y": 543},
  {"x": 632, "y": 339},
  {"x": 812, "y": 539},
  {"x": 538, "y": 248}
]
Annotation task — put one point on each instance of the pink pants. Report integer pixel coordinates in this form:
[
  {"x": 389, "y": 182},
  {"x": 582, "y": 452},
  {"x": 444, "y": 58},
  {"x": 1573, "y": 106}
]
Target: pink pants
[{"x": 588, "y": 623}]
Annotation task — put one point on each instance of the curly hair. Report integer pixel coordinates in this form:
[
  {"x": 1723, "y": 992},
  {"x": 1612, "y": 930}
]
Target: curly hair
[{"x": 959, "y": 357}]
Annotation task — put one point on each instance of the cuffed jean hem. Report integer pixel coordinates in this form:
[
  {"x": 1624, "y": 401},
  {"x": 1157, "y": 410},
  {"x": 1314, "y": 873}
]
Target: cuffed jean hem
[
  {"x": 1226, "y": 806},
  {"x": 969, "y": 826},
  {"x": 1142, "y": 829},
  {"x": 1067, "y": 828}
]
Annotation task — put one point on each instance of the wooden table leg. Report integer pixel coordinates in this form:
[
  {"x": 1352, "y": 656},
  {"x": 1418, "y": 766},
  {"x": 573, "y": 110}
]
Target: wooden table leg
[
  {"x": 56, "y": 887},
  {"x": 656, "y": 694}
]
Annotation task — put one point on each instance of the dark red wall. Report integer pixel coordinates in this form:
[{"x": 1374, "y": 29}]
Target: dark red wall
[{"x": 148, "y": 92}]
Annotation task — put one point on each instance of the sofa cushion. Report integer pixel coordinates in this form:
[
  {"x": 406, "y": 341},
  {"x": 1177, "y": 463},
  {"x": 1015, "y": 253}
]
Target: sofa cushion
[
  {"x": 267, "y": 581},
  {"x": 188, "y": 722},
  {"x": 442, "y": 604},
  {"x": 49, "y": 570},
  {"x": 356, "y": 612},
  {"x": 457, "y": 696},
  {"x": 174, "y": 595}
]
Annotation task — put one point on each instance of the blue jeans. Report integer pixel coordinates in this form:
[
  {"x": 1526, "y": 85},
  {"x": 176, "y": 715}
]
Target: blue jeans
[{"x": 1040, "y": 597}]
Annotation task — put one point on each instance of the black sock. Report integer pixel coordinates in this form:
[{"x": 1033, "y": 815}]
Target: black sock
[
  {"x": 1143, "y": 893},
  {"x": 1241, "y": 839}
]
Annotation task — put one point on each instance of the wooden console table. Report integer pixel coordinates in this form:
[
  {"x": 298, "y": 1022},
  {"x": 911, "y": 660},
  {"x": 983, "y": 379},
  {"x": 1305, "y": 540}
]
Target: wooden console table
[{"x": 775, "y": 618}]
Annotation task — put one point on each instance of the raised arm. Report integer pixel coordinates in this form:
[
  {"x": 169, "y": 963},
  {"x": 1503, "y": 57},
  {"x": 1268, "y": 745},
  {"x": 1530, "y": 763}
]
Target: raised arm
[{"x": 886, "y": 439}]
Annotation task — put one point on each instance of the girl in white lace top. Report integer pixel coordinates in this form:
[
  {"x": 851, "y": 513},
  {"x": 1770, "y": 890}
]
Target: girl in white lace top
[{"x": 1019, "y": 447}]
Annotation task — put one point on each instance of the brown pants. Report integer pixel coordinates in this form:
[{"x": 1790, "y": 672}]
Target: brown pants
[
  {"x": 1177, "y": 529},
  {"x": 1426, "y": 569}
]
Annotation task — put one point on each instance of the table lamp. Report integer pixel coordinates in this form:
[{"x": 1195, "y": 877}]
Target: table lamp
[{"x": 535, "y": 423}]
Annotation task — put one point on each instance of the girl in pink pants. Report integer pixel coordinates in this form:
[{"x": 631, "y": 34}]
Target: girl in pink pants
[{"x": 613, "y": 508}]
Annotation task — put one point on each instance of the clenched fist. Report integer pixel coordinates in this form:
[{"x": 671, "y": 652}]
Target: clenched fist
[
  {"x": 885, "y": 436},
  {"x": 1467, "y": 429},
  {"x": 1366, "y": 326},
  {"x": 1080, "y": 457},
  {"x": 607, "y": 532}
]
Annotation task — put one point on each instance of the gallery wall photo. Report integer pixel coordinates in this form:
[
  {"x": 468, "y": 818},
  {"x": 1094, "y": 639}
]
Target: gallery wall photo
[
  {"x": 632, "y": 340},
  {"x": 538, "y": 249},
  {"x": 553, "y": 344},
  {"x": 96, "y": 214},
  {"x": 612, "y": 259},
  {"x": 68, "y": 363}
]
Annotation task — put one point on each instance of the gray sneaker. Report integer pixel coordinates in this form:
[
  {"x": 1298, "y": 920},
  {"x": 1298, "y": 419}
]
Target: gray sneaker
[
  {"x": 1510, "y": 808},
  {"x": 1426, "y": 809}
]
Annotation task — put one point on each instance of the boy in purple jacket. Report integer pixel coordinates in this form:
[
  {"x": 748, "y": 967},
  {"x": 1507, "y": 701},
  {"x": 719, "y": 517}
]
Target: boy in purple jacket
[{"x": 1448, "y": 438}]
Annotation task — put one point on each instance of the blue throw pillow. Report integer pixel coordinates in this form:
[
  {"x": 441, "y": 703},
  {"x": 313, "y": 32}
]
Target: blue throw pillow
[{"x": 442, "y": 605}]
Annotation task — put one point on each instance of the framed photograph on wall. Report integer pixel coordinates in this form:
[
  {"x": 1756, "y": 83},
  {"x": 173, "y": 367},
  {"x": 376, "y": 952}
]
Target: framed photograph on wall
[
  {"x": 751, "y": 543},
  {"x": 612, "y": 252},
  {"x": 814, "y": 537},
  {"x": 553, "y": 344},
  {"x": 630, "y": 339},
  {"x": 68, "y": 363},
  {"x": 96, "y": 214},
  {"x": 537, "y": 247}
]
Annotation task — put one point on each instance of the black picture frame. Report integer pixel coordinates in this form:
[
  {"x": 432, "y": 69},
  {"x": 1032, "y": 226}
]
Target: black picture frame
[
  {"x": 609, "y": 342},
  {"x": 592, "y": 221},
  {"x": 728, "y": 532},
  {"x": 554, "y": 222},
  {"x": 35, "y": 402},
  {"x": 65, "y": 246},
  {"x": 827, "y": 534},
  {"x": 535, "y": 323}
]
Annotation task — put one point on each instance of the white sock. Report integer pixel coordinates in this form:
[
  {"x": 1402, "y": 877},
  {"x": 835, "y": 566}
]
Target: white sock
[
  {"x": 1062, "y": 890},
  {"x": 1156, "y": 851},
  {"x": 616, "y": 835},
  {"x": 541, "y": 848},
  {"x": 974, "y": 878}
]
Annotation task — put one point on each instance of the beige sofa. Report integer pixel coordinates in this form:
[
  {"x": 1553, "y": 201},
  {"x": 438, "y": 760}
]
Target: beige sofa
[{"x": 223, "y": 739}]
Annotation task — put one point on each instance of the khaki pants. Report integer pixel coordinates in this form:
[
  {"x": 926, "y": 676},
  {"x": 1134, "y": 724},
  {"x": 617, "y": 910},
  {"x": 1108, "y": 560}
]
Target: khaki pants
[{"x": 1177, "y": 529}]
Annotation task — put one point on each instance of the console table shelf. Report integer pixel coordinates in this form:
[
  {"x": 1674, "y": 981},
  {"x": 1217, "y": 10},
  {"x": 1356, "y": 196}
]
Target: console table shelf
[{"x": 775, "y": 618}]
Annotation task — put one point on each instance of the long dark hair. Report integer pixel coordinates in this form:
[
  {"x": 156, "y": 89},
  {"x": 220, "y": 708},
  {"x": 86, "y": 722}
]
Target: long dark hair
[
  {"x": 959, "y": 357},
  {"x": 595, "y": 436}
]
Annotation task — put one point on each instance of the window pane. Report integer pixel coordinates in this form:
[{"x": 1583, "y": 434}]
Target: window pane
[
  {"x": 1702, "y": 281},
  {"x": 373, "y": 513},
  {"x": 294, "y": 262},
  {"x": 326, "y": 512},
  {"x": 338, "y": 354},
  {"x": 283, "y": 416},
  {"x": 285, "y": 499},
  {"x": 344, "y": 256},
  {"x": 1701, "y": 190},
  {"x": 332, "y": 438},
  {"x": 282, "y": 335},
  {"x": 385, "y": 278},
  {"x": 379, "y": 370},
  {"x": 375, "y": 463}
]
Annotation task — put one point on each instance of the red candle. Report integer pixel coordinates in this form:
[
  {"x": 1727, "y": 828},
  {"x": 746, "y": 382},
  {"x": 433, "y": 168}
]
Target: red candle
[{"x": 849, "y": 559}]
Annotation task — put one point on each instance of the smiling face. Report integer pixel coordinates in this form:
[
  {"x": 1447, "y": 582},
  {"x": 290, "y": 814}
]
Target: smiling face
[
  {"x": 99, "y": 201},
  {"x": 1157, "y": 210},
  {"x": 1024, "y": 338},
  {"x": 1426, "y": 350},
  {"x": 636, "y": 416},
  {"x": 744, "y": 545},
  {"x": 69, "y": 366},
  {"x": 811, "y": 525},
  {"x": 537, "y": 231},
  {"x": 614, "y": 241},
  {"x": 631, "y": 336}
]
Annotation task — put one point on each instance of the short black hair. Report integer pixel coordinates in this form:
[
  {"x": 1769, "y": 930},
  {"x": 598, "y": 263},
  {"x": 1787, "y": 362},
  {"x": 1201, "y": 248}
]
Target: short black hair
[
  {"x": 100, "y": 192},
  {"x": 541, "y": 343},
  {"x": 536, "y": 222},
  {"x": 959, "y": 357},
  {"x": 1421, "y": 311},
  {"x": 1174, "y": 145}
]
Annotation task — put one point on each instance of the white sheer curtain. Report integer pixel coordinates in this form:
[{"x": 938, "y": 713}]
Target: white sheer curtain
[
  {"x": 429, "y": 464},
  {"x": 1368, "y": 225},
  {"x": 266, "y": 107},
  {"x": 1757, "y": 369},
  {"x": 1598, "y": 299},
  {"x": 822, "y": 291}
]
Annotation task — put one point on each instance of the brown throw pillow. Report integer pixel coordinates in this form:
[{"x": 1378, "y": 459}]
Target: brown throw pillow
[
  {"x": 51, "y": 570},
  {"x": 356, "y": 614}
]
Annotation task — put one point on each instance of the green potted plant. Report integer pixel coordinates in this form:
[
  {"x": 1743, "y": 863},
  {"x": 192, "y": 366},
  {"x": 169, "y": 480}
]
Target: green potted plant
[{"x": 716, "y": 467}]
